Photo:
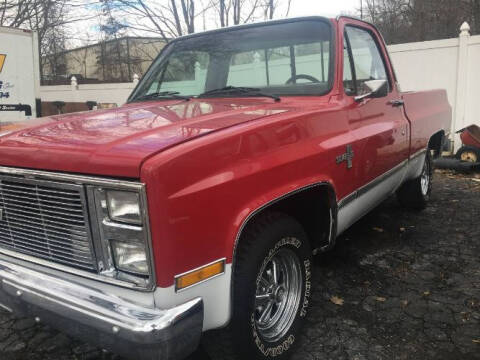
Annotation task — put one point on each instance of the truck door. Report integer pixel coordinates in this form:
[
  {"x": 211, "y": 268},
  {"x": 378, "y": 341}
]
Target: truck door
[{"x": 379, "y": 125}]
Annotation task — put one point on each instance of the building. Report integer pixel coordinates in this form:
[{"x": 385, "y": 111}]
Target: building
[{"x": 114, "y": 60}]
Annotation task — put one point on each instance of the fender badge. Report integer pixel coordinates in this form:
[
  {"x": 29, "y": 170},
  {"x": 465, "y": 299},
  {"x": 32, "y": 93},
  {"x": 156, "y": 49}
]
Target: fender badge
[{"x": 348, "y": 157}]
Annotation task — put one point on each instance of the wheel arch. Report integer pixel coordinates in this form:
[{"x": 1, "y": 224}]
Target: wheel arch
[
  {"x": 319, "y": 197},
  {"x": 436, "y": 142}
]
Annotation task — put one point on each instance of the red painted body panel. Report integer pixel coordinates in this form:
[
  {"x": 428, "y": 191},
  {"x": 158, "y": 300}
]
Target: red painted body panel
[
  {"x": 202, "y": 188},
  {"x": 429, "y": 113},
  {"x": 116, "y": 142},
  {"x": 381, "y": 130},
  {"x": 220, "y": 179}
]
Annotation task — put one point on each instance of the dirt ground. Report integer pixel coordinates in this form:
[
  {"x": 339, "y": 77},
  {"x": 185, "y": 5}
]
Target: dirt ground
[{"x": 399, "y": 285}]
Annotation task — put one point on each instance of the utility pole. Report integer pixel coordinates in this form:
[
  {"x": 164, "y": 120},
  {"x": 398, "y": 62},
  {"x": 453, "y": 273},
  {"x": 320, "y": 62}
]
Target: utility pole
[{"x": 361, "y": 9}]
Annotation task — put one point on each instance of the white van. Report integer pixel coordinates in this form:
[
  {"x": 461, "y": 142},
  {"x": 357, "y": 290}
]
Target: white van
[{"x": 19, "y": 76}]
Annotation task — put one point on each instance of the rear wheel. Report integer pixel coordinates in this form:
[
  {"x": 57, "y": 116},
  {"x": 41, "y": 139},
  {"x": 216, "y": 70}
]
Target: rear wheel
[
  {"x": 469, "y": 153},
  {"x": 415, "y": 193},
  {"x": 271, "y": 290}
]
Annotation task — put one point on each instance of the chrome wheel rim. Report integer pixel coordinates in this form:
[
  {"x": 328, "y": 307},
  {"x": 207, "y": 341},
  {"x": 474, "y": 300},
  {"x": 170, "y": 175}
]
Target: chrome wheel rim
[
  {"x": 278, "y": 294},
  {"x": 425, "y": 179}
]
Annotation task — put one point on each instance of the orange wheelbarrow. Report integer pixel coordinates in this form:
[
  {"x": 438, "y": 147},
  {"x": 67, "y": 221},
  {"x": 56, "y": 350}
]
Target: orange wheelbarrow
[{"x": 470, "y": 151}]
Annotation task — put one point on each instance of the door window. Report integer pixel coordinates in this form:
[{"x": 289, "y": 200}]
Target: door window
[
  {"x": 348, "y": 81},
  {"x": 367, "y": 59}
]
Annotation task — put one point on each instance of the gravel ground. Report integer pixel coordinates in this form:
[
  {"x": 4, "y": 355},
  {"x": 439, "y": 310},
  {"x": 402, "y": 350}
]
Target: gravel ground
[{"x": 399, "y": 285}]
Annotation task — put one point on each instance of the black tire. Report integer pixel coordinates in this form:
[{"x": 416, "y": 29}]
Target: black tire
[
  {"x": 468, "y": 153},
  {"x": 272, "y": 236},
  {"x": 413, "y": 194}
]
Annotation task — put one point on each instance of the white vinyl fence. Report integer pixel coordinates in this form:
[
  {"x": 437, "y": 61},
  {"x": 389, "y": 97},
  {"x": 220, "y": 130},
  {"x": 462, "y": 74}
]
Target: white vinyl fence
[
  {"x": 451, "y": 64},
  {"x": 102, "y": 93}
]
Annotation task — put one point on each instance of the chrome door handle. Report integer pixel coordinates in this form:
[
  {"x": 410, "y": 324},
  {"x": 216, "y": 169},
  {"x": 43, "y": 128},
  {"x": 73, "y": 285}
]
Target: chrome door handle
[{"x": 396, "y": 103}]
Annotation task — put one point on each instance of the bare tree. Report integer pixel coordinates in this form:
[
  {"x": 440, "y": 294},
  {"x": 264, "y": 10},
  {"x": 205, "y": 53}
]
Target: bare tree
[
  {"x": 113, "y": 57},
  {"x": 49, "y": 18},
  {"x": 168, "y": 18},
  {"x": 271, "y": 7},
  {"x": 172, "y": 18},
  {"x": 15, "y": 13},
  {"x": 235, "y": 12},
  {"x": 81, "y": 55},
  {"x": 421, "y": 20},
  {"x": 475, "y": 11}
]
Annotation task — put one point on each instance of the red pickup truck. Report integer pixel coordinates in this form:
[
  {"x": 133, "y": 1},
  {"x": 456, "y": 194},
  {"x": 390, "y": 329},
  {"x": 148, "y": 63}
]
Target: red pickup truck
[{"x": 198, "y": 205}]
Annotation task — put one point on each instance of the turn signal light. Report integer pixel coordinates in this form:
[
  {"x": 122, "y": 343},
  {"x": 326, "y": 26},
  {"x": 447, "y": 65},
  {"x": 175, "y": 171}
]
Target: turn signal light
[{"x": 201, "y": 274}]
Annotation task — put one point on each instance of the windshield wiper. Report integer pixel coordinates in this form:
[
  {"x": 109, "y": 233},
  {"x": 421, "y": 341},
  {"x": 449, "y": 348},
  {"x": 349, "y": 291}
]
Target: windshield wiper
[
  {"x": 163, "y": 95},
  {"x": 234, "y": 90}
]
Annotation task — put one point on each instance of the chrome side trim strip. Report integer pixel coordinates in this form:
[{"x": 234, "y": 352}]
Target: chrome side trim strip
[
  {"x": 347, "y": 199},
  {"x": 367, "y": 201},
  {"x": 418, "y": 153},
  {"x": 366, "y": 188},
  {"x": 353, "y": 206}
]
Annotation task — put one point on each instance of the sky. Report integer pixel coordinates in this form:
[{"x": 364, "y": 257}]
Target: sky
[
  {"x": 323, "y": 7},
  {"x": 86, "y": 32}
]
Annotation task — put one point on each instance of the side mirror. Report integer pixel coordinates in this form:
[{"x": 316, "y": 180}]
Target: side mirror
[{"x": 377, "y": 89}]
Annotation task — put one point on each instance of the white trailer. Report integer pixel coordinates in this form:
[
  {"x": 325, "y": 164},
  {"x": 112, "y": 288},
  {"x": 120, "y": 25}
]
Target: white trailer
[{"x": 19, "y": 76}]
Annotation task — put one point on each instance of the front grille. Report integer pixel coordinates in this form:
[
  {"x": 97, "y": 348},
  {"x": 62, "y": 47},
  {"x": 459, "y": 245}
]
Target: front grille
[{"x": 47, "y": 220}]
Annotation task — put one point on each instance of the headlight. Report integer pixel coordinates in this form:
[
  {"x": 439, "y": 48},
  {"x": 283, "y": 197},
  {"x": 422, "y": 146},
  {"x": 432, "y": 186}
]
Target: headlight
[
  {"x": 130, "y": 257},
  {"x": 124, "y": 206},
  {"x": 123, "y": 250}
]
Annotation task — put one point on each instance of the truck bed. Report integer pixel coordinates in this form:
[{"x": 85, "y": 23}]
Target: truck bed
[{"x": 426, "y": 110}]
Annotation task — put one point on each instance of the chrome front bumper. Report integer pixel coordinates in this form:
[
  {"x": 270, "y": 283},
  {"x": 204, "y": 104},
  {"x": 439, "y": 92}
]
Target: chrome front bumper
[{"x": 125, "y": 328}]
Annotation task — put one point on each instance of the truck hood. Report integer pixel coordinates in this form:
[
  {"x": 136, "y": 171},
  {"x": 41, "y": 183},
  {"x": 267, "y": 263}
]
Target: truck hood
[{"x": 116, "y": 142}]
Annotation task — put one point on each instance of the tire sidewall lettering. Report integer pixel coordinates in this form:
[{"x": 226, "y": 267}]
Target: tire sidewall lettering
[
  {"x": 308, "y": 286},
  {"x": 289, "y": 340},
  {"x": 270, "y": 351}
]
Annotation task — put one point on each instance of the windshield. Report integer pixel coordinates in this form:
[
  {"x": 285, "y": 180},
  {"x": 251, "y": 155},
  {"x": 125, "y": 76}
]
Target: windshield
[{"x": 289, "y": 58}]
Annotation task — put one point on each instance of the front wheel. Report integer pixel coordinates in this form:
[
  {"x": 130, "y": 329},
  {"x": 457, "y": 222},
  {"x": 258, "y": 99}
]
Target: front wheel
[
  {"x": 271, "y": 288},
  {"x": 415, "y": 193}
]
